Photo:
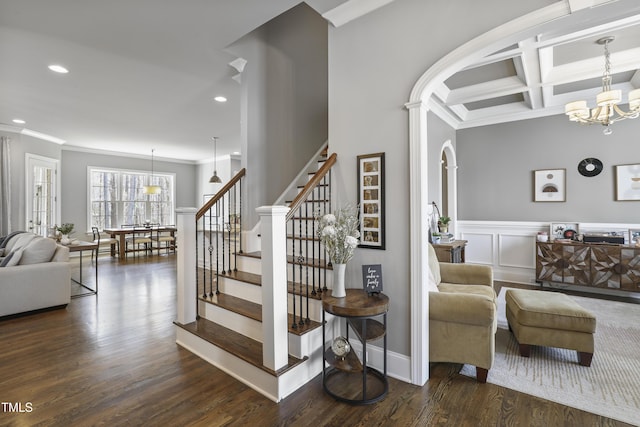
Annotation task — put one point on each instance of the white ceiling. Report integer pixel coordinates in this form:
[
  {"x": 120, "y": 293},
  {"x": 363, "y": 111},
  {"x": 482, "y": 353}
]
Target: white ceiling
[{"x": 143, "y": 74}]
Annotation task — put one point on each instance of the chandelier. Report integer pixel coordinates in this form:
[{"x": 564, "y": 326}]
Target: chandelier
[{"x": 607, "y": 110}]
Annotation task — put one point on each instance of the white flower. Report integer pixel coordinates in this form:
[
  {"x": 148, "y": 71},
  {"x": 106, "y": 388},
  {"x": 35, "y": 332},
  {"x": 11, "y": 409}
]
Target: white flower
[
  {"x": 329, "y": 219},
  {"x": 339, "y": 233},
  {"x": 329, "y": 231},
  {"x": 351, "y": 241}
]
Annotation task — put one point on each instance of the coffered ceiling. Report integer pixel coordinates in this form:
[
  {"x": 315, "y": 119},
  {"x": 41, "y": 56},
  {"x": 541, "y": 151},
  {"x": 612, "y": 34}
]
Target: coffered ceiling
[{"x": 538, "y": 76}]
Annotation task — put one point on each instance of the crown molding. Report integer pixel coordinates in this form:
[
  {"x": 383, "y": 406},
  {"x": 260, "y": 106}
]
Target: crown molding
[
  {"x": 352, "y": 9},
  {"x": 127, "y": 155}
]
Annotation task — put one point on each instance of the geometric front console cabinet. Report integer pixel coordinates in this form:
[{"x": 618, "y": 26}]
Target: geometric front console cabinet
[{"x": 598, "y": 265}]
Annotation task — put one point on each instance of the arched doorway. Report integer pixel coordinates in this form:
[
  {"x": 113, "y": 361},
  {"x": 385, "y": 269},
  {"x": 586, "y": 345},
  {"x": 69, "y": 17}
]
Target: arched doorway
[
  {"x": 492, "y": 41},
  {"x": 448, "y": 184}
]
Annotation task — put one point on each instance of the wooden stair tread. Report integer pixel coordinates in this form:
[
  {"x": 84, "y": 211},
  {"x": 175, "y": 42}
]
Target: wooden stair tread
[
  {"x": 237, "y": 305},
  {"x": 304, "y": 288},
  {"x": 254, "y": 311},
  {"x": 310, "y": 238},
  {"x": 236, "y": 344},
  {"x": 288, "y": 202},
  {"x": 307, "y": 326},
  {"x": 319, "y": 185},
  {"x": 242, "y": 276},
  {"x": 311, "y": 262}
]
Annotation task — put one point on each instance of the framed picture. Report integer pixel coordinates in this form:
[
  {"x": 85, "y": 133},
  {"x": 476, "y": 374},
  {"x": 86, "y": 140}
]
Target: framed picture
[
  {"x": 563, "y": 230},
  {"x": 634, "y": 237},
  {"x": 628, "y": 182},
  {"x": 371, "y": 200},
  {"x": 549, "y": 185}
]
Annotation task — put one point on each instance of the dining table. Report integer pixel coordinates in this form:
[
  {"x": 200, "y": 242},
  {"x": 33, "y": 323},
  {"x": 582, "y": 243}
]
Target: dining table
[{"x": 121, "y": 234}]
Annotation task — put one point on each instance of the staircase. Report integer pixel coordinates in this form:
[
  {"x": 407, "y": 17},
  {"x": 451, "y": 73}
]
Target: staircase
[{"x": 257, "y": 315}]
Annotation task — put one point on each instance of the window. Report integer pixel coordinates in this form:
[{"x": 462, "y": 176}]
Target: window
[{"x": 116, "y": 197}]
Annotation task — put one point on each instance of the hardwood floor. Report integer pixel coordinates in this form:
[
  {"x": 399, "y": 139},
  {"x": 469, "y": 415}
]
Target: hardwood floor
[{"x": 112, "y": 360}]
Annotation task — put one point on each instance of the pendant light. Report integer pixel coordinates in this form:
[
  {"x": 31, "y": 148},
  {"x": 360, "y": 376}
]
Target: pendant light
[
  {"x": 151, "y": 188},
  {"x": 215, "y": 179}
]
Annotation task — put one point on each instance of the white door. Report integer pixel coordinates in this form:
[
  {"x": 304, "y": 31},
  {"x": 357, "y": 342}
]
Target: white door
[{"x": 42, "y": 194}]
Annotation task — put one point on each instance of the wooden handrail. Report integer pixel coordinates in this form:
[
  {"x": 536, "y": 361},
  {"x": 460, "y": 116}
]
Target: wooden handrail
[
  {"x": 311, "y": 185},
  {"x": 220, "y": 193}
]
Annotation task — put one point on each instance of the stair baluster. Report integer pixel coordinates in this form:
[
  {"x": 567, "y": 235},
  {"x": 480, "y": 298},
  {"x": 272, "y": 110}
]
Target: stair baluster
[
  {"x": 294, "y": 324},
  {"x": 300, "y": 260},
  {"x": 211, "y": 218}
]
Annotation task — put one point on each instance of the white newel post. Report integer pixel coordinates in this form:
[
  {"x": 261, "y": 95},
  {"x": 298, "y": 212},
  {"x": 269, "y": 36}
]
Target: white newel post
[
  {"x": 274, "y": 286},
  {"x": 186, "y": 264}
]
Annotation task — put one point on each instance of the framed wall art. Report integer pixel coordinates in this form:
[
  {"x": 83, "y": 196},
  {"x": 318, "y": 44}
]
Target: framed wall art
[
  {"x": 563, "y": 230},
  {"x": 628, "y": 182},
  {"x": 634, "y": 237},
  {"x": 549, "y": 185},
  {"x": 371, "y": 200}
]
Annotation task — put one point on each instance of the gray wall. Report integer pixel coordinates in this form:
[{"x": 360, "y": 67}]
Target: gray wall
[
  {"x": 496, "y": 164},
  {"x": 74, "y": 182},
  {"x": 285, "y": 99},
  {"x": 374, "y": 62},
  {"x": 19, "y": 146}
]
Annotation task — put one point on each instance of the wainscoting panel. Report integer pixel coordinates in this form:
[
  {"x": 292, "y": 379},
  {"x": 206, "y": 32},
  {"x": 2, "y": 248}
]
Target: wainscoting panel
[
  {"x": 509, "y": 246},
  {"x": 517, "y": 251},
  {"x": 479, "y": 248}
]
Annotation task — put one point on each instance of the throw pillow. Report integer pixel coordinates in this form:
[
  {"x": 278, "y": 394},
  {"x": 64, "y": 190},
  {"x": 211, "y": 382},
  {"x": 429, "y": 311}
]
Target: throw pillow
[
  {"x": 39, "y": 250},
  {"x": 12, "y": 259},
  {"x": 18, "y": 241},
  {"x": 5, "y": 240}
]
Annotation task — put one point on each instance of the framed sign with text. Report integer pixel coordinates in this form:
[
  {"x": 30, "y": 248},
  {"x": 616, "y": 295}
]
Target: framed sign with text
[
  {"x": 372, "y": 278},
  {"x": 371, "y": 200}
]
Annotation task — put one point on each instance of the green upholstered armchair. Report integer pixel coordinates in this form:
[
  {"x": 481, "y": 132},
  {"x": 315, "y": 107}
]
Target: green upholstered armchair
[{"x": 462, "y": 315}]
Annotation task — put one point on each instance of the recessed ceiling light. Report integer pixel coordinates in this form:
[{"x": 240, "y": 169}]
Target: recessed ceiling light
[
  {"x": 236, "y": 152},
  {"x": 19, "y": 121},
  {"x": 220, "y": 98},
  {"x": 58, "y": 69}
]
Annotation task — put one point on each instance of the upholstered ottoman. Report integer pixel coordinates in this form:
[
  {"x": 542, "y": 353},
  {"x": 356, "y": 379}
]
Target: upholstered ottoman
[{"x": 550, "y": 319}]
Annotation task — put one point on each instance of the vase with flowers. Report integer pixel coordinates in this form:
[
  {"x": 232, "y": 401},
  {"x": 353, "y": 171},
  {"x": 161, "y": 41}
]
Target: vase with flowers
[
  {"x": 65, "y": 230},
  {"x": 339, "y": 234}
]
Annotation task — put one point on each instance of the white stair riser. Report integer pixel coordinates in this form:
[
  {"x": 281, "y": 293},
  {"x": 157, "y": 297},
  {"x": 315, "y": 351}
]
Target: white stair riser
[
  {"x": 244, "y": 372},
  {"x": 307, "y": 249},
  {"x": 250, "y": 264},
  {"x": 315, "y": 307},
  {"x": 274, "y": 388},
  {"x": 236, "y": 288},
  {"x": 234, "y": 321}
]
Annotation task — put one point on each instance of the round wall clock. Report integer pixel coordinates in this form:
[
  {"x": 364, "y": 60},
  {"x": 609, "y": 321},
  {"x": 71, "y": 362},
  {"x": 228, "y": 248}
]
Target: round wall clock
[{"x": 590, "y": 167}]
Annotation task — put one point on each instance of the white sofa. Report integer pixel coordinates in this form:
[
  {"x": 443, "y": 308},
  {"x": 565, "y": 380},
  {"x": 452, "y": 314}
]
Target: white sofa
[{"x": 35, "y": 273}]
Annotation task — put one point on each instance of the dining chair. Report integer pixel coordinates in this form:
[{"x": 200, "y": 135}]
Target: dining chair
[
  {"x": 165, "y": 239},
  {"x": 102, "y": 241},
  {"x": 136, "y": 239}
]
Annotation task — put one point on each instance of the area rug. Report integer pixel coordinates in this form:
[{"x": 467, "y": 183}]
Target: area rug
[{"x": 610, "y": 387}]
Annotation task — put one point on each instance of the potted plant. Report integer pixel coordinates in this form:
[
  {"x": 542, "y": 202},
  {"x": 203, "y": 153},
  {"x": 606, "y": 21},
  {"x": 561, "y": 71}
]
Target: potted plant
[
  {"x": 443, "y": 224},
  {"x": 65, "y": 230}
]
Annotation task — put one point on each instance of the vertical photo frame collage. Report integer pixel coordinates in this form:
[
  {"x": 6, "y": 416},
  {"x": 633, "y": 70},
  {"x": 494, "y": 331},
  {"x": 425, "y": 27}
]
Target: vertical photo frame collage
[{"x": 371, "y": 200}]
